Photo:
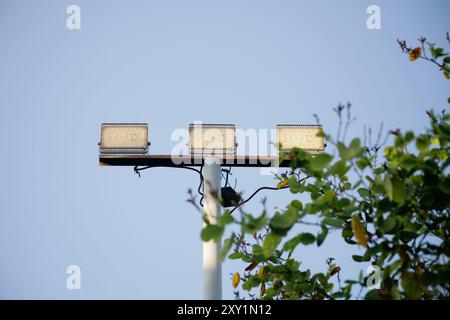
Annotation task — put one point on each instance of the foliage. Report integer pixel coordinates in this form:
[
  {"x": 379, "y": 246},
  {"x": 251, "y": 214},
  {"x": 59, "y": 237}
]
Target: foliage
[
  {"x": 391, "y": 200},
  {"x": 436, "y": 55}
]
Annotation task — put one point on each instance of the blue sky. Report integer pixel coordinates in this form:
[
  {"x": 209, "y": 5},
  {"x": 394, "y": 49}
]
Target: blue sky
[{"x": 168, "y": 63}]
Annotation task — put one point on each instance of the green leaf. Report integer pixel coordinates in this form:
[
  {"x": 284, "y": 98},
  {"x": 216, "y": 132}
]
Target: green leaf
[
  {"x": 281, "y": 223},
  {"x": 257, "y": 250},
  {"x": 408, "y": 161},
  {"x": 388, "y": 187},
  {"x": 294, "y": 185},
  {"x": 398, "y": 194},
  {"x": 271, "y": 293},
  {"x": 297, "y": 204},
  {"x": 271, "y": 242},
  {"x": 321, "y": 236},
  {"x": 437, "y": 52},
  {"x": 320, "y": 161},
  {"x": 304, "y": 238},
  {"x": 388, "y": 270},
  {"x": 235, "y": 255},
  {"x": 354, "y": 148},
  {"x": 347, "y": 233},
  {"x": 339, "y": 168},
  {"x": 211, "y": 232},
  {"x": 396, "y": 295},
  {"x": 422, "y": 143},
  {"x": 362, "y": 162},
  {"x": 226, "y": 247},
  {"x": 377, "y": 187},
  {"x": 343, "y": 202},
  {"x": 411, "y": 285},
  {"x": 399, "y": 142},
  {"x": 332, "y": 222},
  {"x": 358, "y": 258},
  {"x": 321, "y": 277},
  {"x": 252, "y": 282},
  {"x": 373, "y": 295},
  {"x": 352, "y": 151},
  {"x": 342, "y": 150},
  {"x": 226, "y": 218},
  {"x": 252, "y": 224},
  {"x": 363, "y": 192},
  {"x": 388, "y": 225},
  {"x": 292, "y": 265},
  {"x": 409, "y": 136},
  {"x": 445, "y": 185}
]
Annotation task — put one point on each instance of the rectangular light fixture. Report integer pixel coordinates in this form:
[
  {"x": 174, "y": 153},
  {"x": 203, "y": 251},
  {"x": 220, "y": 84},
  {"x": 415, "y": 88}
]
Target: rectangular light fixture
[
  {"x": 124, "y": 138},
  {"x": 300, "y": 136},
  {"x": 212, "y": 139}
]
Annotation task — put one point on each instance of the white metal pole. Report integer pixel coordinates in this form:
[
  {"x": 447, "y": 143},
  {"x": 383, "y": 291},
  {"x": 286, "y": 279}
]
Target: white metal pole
[{"x": 212, "y": 269}]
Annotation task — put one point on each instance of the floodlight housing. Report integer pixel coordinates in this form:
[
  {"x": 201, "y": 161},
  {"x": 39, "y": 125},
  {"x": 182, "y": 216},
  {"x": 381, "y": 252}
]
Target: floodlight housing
[
  {"x": 124, "y": 138},
  {"x": 306, "y": 137},
  {"x": 230, "y": 198},
  {"x": 212, "y": 139}
]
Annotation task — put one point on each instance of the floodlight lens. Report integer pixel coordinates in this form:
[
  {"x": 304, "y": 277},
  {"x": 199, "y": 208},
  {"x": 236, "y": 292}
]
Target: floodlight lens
[
  {"x": 212, "y": 139},
  {"x": 300, "y": 136},
  {"x": 124, "y": 138}
]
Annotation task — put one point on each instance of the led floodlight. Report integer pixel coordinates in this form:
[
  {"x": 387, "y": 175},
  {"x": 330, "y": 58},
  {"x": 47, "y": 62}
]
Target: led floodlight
[
  {"x": 306, "y": 137},
  {"x": 213, "y": 139},
  {"x": 124, "y": 138}
]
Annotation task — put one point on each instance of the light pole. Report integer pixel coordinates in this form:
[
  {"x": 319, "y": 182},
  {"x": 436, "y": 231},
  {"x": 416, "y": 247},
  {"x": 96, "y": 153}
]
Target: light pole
[{"x": 212, "y": 269}]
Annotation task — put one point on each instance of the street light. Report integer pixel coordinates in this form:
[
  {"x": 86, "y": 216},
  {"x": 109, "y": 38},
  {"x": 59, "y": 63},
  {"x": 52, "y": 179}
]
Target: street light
[
  {"x": 124, "y": 138},
  {"x": 212, "y": 139},
  {"x": 306, "y": 137},
  {"x": 126, "y": 144}
]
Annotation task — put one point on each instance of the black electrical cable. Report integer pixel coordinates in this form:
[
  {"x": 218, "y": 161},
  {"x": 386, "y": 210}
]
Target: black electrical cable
[
  {"x": 137, "y": 169},
  {"x": 228, "y": 172},
  {"x": 254, "y": 194},
  {"x": 200, "y": 172},
  {"x": 199, "y": 189},
  {"x": 258, "y": 190},
  {"x": 201, "y": 185}
]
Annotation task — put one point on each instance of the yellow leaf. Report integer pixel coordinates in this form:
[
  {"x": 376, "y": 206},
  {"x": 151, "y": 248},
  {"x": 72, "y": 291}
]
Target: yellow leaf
[
  {"x": 415, "y": 53},
  {"x": 261, "y": 273},
  {"x": 411, "y": 285},
  {"x": 283, "y": 183},
  {"x": 359, "y": 231},
  {"x": 236, "y": 280},
  {"x": 262, "y": 291},
  {"x": 435, "y": 140},
  {"x": 446, "y": 75}
]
